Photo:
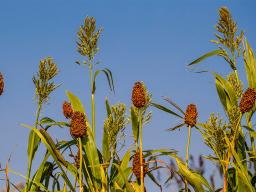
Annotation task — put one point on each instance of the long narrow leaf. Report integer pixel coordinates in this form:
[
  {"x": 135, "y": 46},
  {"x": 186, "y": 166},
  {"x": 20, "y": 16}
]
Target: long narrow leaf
[
  {"x": 166, "y": 110},
  {"x": 205, "y": 56}
]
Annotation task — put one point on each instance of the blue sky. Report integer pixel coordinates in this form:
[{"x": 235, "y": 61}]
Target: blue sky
[{"x": 143, "y": 40}]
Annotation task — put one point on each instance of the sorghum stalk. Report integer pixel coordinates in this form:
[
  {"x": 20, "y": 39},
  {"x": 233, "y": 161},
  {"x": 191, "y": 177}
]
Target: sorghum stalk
[
  {"x": 229, "y": 154},
  {"x": 190, "y": 120},
  {"x": 92, "y": 100},
  {"x": 187, "y": 154},
  {"x": 141, "y": 156},
  {"x": 30, "y": 160},
  {"x": 80, "y": 165}
]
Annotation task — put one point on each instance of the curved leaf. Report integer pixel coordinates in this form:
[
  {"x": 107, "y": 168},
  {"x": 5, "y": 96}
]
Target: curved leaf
[
  {"x": 205, "y": 56},
  {"x": 165, "y": 110}
]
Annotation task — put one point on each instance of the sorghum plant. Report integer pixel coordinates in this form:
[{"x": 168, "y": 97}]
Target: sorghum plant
[
  {"x": 228, "y": 139},
  {"x": 43, "y": 88},
  {"x": 78, "y": 164}
]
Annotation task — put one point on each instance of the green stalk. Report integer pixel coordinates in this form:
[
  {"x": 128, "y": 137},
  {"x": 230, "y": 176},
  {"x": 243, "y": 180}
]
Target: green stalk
[
  {"x": 187, "y": 154},
  {"x": 92, "y": 100},
  {"x": 93, "y": 116},
  {"x": 80, "y": 165},
  {"x": 141, "y": 157},
  {"x": 30, "y": 158},
  {"x": 229, "y": 155}
]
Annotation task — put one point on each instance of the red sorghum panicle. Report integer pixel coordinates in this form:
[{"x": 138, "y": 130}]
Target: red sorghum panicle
[
  {"x": 67, "y": 109},
  {"x": 191, "y": 115},
  {"x": 136, "y": 165},
  {"x": 78, "y": 127},
  {"x": 139, "y": 95},
  {"x": 1, "y": 84},
  {"x": 247, "y": 100}
]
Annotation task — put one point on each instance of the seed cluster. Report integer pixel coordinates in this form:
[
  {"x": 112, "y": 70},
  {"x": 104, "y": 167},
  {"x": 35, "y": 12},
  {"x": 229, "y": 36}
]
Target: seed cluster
[
  {"x": 88, "y": 38},
  {"x": 191, "y": 115},
  {"x": 1, "y": 84},
  {"x": 136, "y": 165},
  {"x": 78, "y": 127},
  {"x": 247, "y": 100},
  {"x": 139, "y": 95},
  {"x": 67, "y": 109}
]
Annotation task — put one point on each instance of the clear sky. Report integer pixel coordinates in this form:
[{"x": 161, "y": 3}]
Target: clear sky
[{"x": 143, "y": 40}]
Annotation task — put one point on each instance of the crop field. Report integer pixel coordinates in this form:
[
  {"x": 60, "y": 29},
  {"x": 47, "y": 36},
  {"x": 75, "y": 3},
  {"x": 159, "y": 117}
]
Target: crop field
[{"x": 108, "y": 154}]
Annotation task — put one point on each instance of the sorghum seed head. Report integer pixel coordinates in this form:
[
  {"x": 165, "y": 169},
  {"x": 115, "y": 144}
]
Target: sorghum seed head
[
  {"x": 136, "y": 165},
  {"x": 247, "y": 100},
  {"x": 1, "y": 84},
  {"x": 191, "y": 115},
  {"x": 67, "y": 109},
  {"x": 78, "y": 127},
  {"x": 139, "y": 95}
]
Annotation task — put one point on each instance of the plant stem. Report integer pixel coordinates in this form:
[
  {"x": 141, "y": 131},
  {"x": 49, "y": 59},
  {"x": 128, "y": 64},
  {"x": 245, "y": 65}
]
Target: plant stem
[
  {"x": 141, "y": 157},
  {"x": 187, "y": 155},
  {"x": 80, "y": 165},
  {"x": 225, "y": 183},
  {"x": 92, "y": 99},
  {"x": 30, "y": 155},
  {"x": 93, "y": 115},
  {"x": 229, "y": 154}
]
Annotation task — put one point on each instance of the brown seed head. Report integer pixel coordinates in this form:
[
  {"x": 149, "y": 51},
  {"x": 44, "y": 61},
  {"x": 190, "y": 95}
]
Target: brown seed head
[
  {"x": 139, "y": 95},
  {"x": 78, "y": 127},
  {"x": 136, "y": 165},
  {"x": 67, "y": 109},
  {"x": 1, "y": 84},
  {"x": 191, "y": 115},
  {"x": 247, "y": 100}
]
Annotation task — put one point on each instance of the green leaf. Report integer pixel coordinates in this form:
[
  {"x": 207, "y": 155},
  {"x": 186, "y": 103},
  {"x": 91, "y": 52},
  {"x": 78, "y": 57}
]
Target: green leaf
[
  {"x": 123, "y": 170},
  {"x": 152, "y": 177},
  {"x": 205, "y": 56},
  {"x": 96, "y": 73},
  {"x": 48, "y": 122},
  {"x": 108, "y": 108},
  {"x": 109, "y": 76},
  {"x": 33, "y": 143},
  {"x": 197, "y": 181},
  {"x": 176, "y": 127},
  {"x": 135, "y": 124},
  {"x": 125, "y": 160},
  {"x": 165, "y": 110},
  {"x": 92, "y": 157},
  {"x": 250, "y": 65},
  {"x": 59, "y": 159},
  {"x": 174, "y": 104},
  {"x": 105, "y": 138},
  {"x": 242, "y": 175},
  {"x": 75, "y": 102},
  {"x": 160, "y": 152},
  {"x": 39, "y": 173},
  {"x": 226, "y": 92}
]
